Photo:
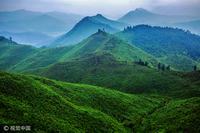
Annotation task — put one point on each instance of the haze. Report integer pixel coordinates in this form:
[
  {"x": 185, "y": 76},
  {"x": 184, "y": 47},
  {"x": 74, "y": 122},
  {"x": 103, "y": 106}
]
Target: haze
[{"x": 110, "y": 8}]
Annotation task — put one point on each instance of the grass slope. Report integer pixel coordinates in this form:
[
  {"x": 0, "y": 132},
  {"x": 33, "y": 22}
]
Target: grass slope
[
  {"x": 103, "y": 43},
  {"x": 99, "y": 43},
  {"x": 11, "y": 53},
  {"x": 104, "y": 70},
  {"x": 52, "y": 106},
  {"x": 179, "y": 115}
]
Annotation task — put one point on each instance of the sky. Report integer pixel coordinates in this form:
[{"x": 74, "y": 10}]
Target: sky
[{"x": 109, "y": 8}]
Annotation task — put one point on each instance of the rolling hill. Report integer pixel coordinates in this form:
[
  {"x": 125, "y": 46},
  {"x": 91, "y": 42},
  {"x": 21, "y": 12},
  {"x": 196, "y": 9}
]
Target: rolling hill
[
  {"x": 105, "y": 71},
  {"x": 99, "y": 43},
  {"x": 29, "y": 38},
  {"x": 174, "y": 47},
  {"x": 63, "y": 107},
  {"x": 103, "y": 60},
  {"x": 53, "y": 106},
  {"x": 11, "y": 53},
  {"x": 86, "y": 27}
]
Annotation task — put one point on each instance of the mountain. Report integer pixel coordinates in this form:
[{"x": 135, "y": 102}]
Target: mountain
[
  {"x": 17, "y": 15},
  {"x": 105, "y": 71},
  {"x": 53, "y": 106},
  {"x": 174, "y": 47},
  {"x": 143, "y": 16},
  {"x": 102, "y": 42},
  {"x": 98, "y": 44},
  {"x": 51, "y": 23},
  {"x": 103, "y": 60},
  {"x": 70, "y": 19},
  {"x": 86, "y": 27},
  {"x": 193, "y": 26},
  {"x": 11, "y": 53},
  {"x": 30, "y": 38}
]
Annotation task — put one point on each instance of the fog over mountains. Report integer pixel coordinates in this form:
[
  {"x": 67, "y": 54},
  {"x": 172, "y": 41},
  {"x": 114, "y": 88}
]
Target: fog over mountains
[{"x": 42, "y": 28}]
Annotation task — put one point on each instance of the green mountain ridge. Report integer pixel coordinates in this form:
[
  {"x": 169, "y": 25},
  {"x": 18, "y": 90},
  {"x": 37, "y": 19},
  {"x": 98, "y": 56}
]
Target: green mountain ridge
[
  {"x": 99, "y": 43},
  {"x": 169, "y": 45},
  {"x": 105, "y": 71}
]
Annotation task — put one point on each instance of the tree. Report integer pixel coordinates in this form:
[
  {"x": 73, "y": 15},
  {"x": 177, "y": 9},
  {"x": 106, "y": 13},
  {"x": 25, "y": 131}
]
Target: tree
[
  {"x": 195, "y": 68},
  {"x": 159, "y": 66},
  {"x": 163, "y": 67},
  {"x": 168, "y": 68},
  {"x": 146, "y": 63},
  {"x": 99, "y": 30},
  {"x": 10, "y": 39}
]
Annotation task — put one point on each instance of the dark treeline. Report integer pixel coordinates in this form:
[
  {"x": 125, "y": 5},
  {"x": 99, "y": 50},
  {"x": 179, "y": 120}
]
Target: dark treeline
[
  {"x": 164, "y": 67},
  {"x": 142, "y": 63},
  {"x": 129, "y": 28}
]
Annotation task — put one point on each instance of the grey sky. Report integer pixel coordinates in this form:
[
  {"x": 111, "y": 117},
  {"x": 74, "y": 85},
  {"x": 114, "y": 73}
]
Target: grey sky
[{"x": 111, "y": 8}]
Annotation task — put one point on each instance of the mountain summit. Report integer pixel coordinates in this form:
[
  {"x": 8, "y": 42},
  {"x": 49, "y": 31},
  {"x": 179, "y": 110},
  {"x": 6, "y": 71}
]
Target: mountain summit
[
  {"x": 143, "y": 16},
  {"x": 86, "y": 27}
]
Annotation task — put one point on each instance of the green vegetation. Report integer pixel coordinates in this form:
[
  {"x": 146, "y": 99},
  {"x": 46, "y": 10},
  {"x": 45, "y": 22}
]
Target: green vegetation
[
  {"x": 104, "y": 70},
  {"x": 30, "y": 58},
  {"x": 174, "y": 47},
  {"x": 180, "y": 115},
  {"x": 11, "y": 53},
  {"x": 141, "y": 94},
  {"x": 53, "y": 106}
]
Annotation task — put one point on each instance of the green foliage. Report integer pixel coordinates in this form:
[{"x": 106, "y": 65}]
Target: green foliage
[
  {"x": 166, "y": 43},
  {"x": 175, "y": 116},
  {"x": 53, "y": 106},
  {"x": 104, "y": 70},
  {"x": 101, "y": 43},
  {"x": 25, "y": 58},
  {"x": 11, "y": 53}
]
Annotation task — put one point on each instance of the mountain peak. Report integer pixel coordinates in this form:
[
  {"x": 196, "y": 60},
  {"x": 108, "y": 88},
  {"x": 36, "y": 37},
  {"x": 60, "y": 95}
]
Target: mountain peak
[
  {"x": 141, "y": 10},
  {"x": 99, "y": 15}
]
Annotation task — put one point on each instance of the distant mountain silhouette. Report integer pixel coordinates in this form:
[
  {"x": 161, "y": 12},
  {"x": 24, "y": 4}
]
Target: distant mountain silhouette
[
  {"x": 28, "y": 21},
  {"x": 143, "y": 16},
  {"x": 86, "y": 27}
]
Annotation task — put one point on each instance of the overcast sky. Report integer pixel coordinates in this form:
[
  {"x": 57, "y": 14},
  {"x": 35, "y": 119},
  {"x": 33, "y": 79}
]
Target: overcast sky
[{"x": 110, "y": 8}]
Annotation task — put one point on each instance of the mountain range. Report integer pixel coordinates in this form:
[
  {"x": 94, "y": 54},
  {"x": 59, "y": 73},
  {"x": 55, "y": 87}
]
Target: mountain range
[
  {"x": 50, "y": 23},
  {"x": 35, "y": 28},
  {"x": 103, "y": 75},
  {"x": 168, "y": 45},
  {"x": 143, "y": 16},
  {"x": 86, "y": 27}
]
